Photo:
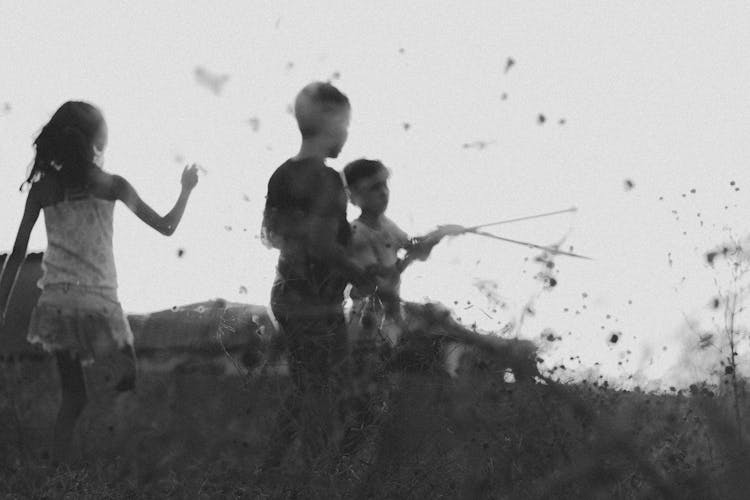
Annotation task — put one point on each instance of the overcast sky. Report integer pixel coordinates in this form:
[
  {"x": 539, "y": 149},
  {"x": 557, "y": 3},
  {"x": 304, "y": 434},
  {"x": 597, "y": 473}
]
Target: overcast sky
[{"x": 651, "y": 92}]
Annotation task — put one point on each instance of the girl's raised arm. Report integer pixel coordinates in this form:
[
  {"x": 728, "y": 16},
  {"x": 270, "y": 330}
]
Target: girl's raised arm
[
  {"x": 167, "y": 224},
  {"x": 12, "y": 266}
]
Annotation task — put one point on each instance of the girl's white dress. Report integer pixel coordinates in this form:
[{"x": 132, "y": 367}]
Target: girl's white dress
[{"x": 78, "y": 310}]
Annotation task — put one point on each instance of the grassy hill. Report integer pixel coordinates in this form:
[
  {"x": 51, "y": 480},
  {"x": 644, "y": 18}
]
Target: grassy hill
[{"x": 197, "y": 435}]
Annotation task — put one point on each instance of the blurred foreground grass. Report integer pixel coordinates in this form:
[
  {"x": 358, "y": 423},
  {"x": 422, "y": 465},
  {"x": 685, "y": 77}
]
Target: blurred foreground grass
[{"x": 201, "y": 435}]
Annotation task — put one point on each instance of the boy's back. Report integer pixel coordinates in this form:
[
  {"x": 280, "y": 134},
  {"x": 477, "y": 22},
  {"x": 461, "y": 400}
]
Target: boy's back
[{"x": 298, "y": 191}]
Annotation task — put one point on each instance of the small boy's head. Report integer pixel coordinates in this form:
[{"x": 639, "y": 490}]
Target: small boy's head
[
  {"x": 368, "y": 185},
  {"x": 323, "y": 112}
]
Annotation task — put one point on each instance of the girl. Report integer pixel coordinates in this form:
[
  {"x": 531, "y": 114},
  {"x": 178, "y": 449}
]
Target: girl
[{"x": 78, "y": 316}]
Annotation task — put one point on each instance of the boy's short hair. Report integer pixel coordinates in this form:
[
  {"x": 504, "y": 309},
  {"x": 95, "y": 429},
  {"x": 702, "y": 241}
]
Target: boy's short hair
[
  {"x": 362, "y": 169},
  {"x": 314, "y": 103}
]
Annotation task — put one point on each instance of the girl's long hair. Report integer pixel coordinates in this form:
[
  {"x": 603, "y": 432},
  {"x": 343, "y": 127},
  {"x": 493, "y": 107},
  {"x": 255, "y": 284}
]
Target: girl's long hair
[{"x": 65, "y": 146}]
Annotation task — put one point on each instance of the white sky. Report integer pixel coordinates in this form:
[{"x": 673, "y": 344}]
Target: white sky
[{"x": 655, "y": 92}]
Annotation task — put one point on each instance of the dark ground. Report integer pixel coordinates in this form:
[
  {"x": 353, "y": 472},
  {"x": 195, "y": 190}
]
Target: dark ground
[{"x": 200, "y": 435}]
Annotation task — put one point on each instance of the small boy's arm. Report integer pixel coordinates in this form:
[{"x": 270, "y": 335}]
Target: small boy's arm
[
  {"x": 10, "y": 270},
  {"x": 420, "y": 248}
]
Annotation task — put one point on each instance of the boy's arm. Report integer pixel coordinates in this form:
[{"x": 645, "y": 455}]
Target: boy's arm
[
  {"x": 323, "y": 227},
  {"x": 12, "y": 266},
  {"x": 421, "y": 247},
  {"x": 268, "y": 230}
]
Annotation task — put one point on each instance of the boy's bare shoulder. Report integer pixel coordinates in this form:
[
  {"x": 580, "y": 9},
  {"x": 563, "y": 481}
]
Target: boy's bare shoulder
[{"x": 395, "y": 230}]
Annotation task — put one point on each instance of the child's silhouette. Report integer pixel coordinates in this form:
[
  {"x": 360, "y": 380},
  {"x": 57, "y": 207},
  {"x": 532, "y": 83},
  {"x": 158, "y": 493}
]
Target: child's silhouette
[
  {"x": 305, "y": 218},
  {"x": 78, "y": 316}
]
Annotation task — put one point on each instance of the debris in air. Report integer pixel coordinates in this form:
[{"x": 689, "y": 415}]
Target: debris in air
[
  {"x": 213, "y": 81},
  {"x": 254, "y": 123},
  {"x": 480, "y": 145}
]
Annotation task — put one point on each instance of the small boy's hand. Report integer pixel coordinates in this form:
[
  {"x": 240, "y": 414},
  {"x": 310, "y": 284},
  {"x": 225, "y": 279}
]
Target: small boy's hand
[
  {"x": 190, "y": 177},
  {"x": 422, "y": 247}
]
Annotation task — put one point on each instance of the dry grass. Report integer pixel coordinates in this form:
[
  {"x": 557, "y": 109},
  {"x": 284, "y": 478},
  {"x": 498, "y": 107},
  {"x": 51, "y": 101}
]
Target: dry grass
[{"x": 198, "y": 435}]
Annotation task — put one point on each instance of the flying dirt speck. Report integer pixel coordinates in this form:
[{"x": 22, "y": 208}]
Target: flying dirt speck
[
  {"x": 289, "y": 66},
  {"x": 213, "y": 81},
  {"x": 180, "y": 252},
  {"x": 245, "y": 197},
  {"x": 561, "y": 121},
  {"x": 406, "y": 125},
  {"x": 541, "y": 119},
  {"x": 243, "y": 290},
  {"x": 5, "y": 109},
  {"x": 401, "y": 50},
  {"x": 629, "y": 184},
  {"x": 711, "y": 256},
  {"x": 479, "y": 145},
  {"x": 254, "y": 123},
  {"x": 509, "y": 63},
  {"x": 614, "y": 338},
  {"x": 227, "y": 228}
]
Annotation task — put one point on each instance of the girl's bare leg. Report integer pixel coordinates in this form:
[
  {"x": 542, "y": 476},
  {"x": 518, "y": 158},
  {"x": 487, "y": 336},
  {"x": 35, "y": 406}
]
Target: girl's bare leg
[{"x": 73, "y": 402}]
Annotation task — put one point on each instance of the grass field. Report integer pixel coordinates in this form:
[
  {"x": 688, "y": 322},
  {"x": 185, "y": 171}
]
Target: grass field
[{"x": 201, "y": 435}]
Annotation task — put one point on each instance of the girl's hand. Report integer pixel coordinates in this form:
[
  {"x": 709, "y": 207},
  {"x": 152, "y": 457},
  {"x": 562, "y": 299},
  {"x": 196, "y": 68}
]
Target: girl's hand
[{"x": 190, "y": 177}]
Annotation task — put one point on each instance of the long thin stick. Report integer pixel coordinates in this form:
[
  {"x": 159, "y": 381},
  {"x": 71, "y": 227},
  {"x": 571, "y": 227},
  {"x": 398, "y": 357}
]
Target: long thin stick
[
  {"x": 540, "y": 247},
  {"x": 547, "y": 214}
]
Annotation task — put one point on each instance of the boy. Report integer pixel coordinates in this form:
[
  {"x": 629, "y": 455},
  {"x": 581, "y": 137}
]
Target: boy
[
  {"x": 305, "y": 218},
  {"x": 376, "y": 318},
  {"x": 376, "y": 244}
]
